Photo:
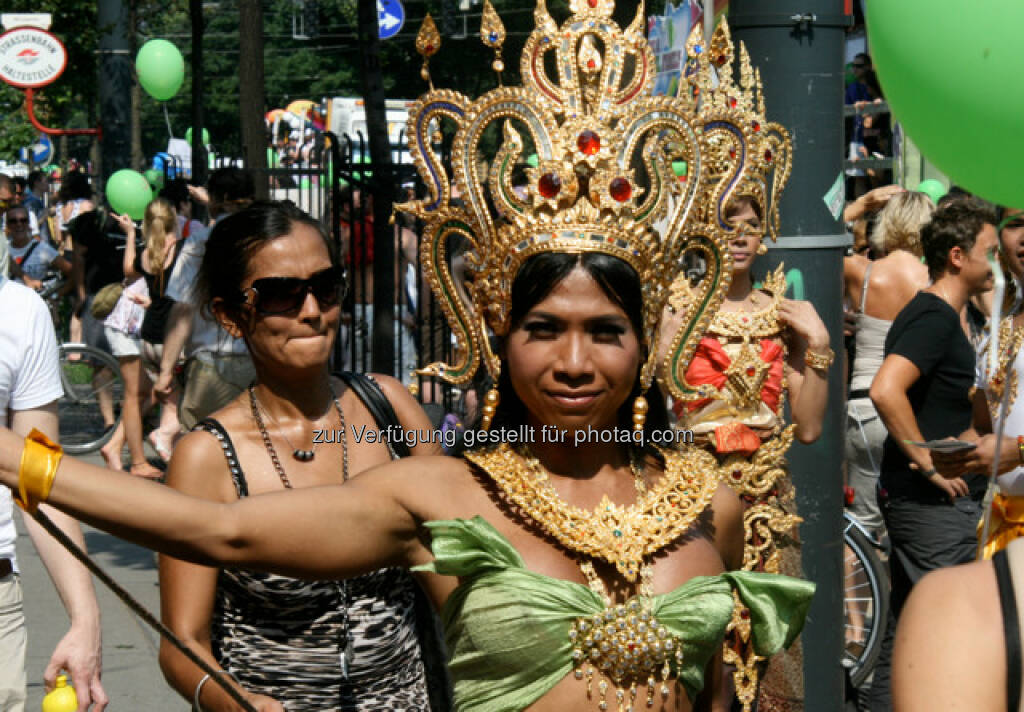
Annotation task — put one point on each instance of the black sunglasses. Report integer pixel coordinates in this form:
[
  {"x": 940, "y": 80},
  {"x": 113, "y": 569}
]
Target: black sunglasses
[{"x": 280, "y": 295}]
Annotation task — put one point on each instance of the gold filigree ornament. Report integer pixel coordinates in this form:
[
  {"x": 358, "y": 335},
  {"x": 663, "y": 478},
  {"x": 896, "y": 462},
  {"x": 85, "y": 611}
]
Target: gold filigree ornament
[
  {"x": 624, "y": 536},
  {"x": 602, "y": 180},
  {"x": 428, "y": 41},
  {"x": 1009, "y": 342}
]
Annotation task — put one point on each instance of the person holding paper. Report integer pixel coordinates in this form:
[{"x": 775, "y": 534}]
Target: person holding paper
[
  {"x": 922, "y": 392},
  {"x": 1007, "y": 518}
]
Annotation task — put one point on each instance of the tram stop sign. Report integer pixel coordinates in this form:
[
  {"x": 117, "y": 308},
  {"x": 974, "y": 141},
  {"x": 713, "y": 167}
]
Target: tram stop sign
[{"x": 390, "y": 18}]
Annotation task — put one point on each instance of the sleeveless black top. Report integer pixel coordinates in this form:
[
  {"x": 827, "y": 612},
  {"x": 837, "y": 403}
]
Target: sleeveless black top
[
  {"x": 1011, "y": 629},
  {"x": 154, "y": 324}
]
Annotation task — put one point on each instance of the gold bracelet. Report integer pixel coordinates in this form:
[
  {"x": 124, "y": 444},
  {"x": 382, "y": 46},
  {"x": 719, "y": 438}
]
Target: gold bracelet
[
  {"x": 820, "y": 362},
  {"x": 38, "y": 469}
]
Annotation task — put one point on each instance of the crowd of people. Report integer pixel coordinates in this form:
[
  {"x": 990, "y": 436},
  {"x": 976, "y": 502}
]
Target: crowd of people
[{"x": 325, "y": 570}]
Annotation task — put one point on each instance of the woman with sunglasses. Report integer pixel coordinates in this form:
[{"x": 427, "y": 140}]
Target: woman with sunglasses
[{"x": 272, "y": 278}]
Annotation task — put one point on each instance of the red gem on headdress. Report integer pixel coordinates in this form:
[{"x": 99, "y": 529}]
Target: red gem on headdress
[
  {"x": 737, "y": 474},
  {"x": 744, "y": 614},
  {"x": 732, "y": 153},
  {"x": 768, "y": 156},
  {"x": 620, "y": 189},
  {"x": 756, "y": 126},
  {"x": 592, "y": 3},
  {"x": 429, "y": 48},
  {"x": 732, "y": 102},
  {"x": 549, "y": 185},
  {"x": 721, "y": 59},
  {"x": 750, "y": 370},
  {"x": 588, "y": 142},
  {"x": 591, "y": 64}
]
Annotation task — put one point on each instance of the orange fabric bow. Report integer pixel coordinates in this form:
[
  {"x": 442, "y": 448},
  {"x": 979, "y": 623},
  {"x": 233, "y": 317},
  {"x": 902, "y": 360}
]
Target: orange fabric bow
[{"x": 710, "y": 362}]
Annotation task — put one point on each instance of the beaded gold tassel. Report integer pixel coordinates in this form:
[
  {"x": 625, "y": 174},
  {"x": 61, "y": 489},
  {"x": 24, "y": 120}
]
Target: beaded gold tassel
[
  {"x": 491, "y": 401},
  {"x": 639, "y": 413}
]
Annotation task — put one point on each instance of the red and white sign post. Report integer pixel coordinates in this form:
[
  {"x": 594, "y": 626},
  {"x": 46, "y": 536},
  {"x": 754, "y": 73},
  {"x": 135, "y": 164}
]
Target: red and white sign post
[{"x": 31, "y": 58}]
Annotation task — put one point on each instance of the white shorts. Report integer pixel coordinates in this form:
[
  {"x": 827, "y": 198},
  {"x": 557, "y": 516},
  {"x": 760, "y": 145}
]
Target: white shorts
[{"x": 122, "y": 345}]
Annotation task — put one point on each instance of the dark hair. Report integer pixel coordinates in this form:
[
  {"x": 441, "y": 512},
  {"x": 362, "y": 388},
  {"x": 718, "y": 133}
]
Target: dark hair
[
  {"x": 230, "y": 184},
  {"x": 535, "y": 280},
  {"x": 74, "y": 186},
  {"x": 176, "y": 191},
  {"x": 235, "y": 239},
  {"x": 955, "y": 223},
  {"x": 33, "y": 179},
  {"x": 12, "y": 208}
]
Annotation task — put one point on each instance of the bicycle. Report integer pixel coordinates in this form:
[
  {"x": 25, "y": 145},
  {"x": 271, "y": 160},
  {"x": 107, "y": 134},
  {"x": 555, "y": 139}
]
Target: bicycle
[
  {"x": 90, "y": 409},
  {"x": 865, "y": 601}
]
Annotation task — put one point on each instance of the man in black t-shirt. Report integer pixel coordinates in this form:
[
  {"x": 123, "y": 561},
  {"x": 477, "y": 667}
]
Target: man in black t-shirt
[{"x": 922, "y": 392}]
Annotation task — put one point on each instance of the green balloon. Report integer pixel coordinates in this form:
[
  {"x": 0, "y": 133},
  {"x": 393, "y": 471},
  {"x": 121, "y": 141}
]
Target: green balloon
[
  {"x": 933, "y": 189},
  {"x": 155, "y": 178},
  {"x": 160, "y": 68},
  {"x": 951, "y": 78},
  {"x": 188, "y": 136},
  {"x": 128, "y": 192}
]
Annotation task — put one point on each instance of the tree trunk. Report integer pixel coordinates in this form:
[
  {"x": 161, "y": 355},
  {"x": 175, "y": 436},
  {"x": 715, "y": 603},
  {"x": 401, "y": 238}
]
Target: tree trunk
[
  {"x": 251, "y": 92},
  {"x": 382, "y": 189},
  {"x": 138, "y": 160}
]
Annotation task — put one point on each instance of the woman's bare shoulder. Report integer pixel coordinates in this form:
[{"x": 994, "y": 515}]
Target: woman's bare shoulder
[
  {"x": 951, "y": 623},
  {"x": 430, "y": 486},
  {"x": 198, "y": 467}
]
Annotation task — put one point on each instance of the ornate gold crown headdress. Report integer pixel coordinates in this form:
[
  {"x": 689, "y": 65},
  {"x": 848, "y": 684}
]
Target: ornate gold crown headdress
[
  {"x": 764, "y": 147},
  {"x": 603, "y": 176}
]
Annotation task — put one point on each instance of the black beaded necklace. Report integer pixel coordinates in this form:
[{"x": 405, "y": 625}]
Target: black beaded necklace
[{"x": 348, "y": 651}]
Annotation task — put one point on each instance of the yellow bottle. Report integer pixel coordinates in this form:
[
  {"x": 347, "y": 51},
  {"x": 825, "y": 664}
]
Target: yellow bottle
[{"x": 62, "y": 698}]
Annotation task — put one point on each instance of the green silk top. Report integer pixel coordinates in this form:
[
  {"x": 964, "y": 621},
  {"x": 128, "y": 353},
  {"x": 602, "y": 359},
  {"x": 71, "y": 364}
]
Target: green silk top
[{"x": 507, "y": 627}]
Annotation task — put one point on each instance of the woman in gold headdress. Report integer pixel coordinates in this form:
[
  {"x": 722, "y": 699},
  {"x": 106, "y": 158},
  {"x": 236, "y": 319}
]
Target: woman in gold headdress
[
  {"x": 577, "y": 564},
  {"x": 759, "y": 349}
]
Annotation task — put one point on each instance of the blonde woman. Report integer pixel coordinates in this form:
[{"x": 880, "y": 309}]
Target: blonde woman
[
  {"x": 879, "y": 289},
  {"x": 153, "y": 264}
]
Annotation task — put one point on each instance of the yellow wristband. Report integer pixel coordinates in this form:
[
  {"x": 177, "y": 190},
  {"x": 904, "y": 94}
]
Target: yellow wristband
[{"x": 38, "y": 469}]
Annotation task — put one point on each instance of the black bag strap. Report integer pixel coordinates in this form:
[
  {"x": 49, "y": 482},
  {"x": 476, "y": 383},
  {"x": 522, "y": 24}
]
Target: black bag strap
[
  {"x": 428, "y": 629},
  {"x": 28, "y": 253},
  {"x": 377, "y": 403}
]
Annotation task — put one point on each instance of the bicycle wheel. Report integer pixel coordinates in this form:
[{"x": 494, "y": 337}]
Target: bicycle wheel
[
  {"x": 90, "y": 408},
  {"x": 865, "y": 604}
]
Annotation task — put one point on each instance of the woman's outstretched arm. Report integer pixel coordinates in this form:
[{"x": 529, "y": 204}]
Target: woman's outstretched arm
[{"x": 316, "y": 532}]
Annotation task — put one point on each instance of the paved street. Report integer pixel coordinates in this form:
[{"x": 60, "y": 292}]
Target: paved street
[{"x": 131, "y": 675}]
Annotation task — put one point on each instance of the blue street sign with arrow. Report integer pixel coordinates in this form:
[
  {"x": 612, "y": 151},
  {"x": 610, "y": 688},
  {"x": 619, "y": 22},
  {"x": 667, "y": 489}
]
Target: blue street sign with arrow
[
  {"x": 42, "y": 151},
  {"x": 390, "y": 18}
]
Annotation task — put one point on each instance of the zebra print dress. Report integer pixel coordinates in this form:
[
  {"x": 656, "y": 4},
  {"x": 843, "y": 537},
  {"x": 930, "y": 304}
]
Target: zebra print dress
[{"x": 285, "y": 638}]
